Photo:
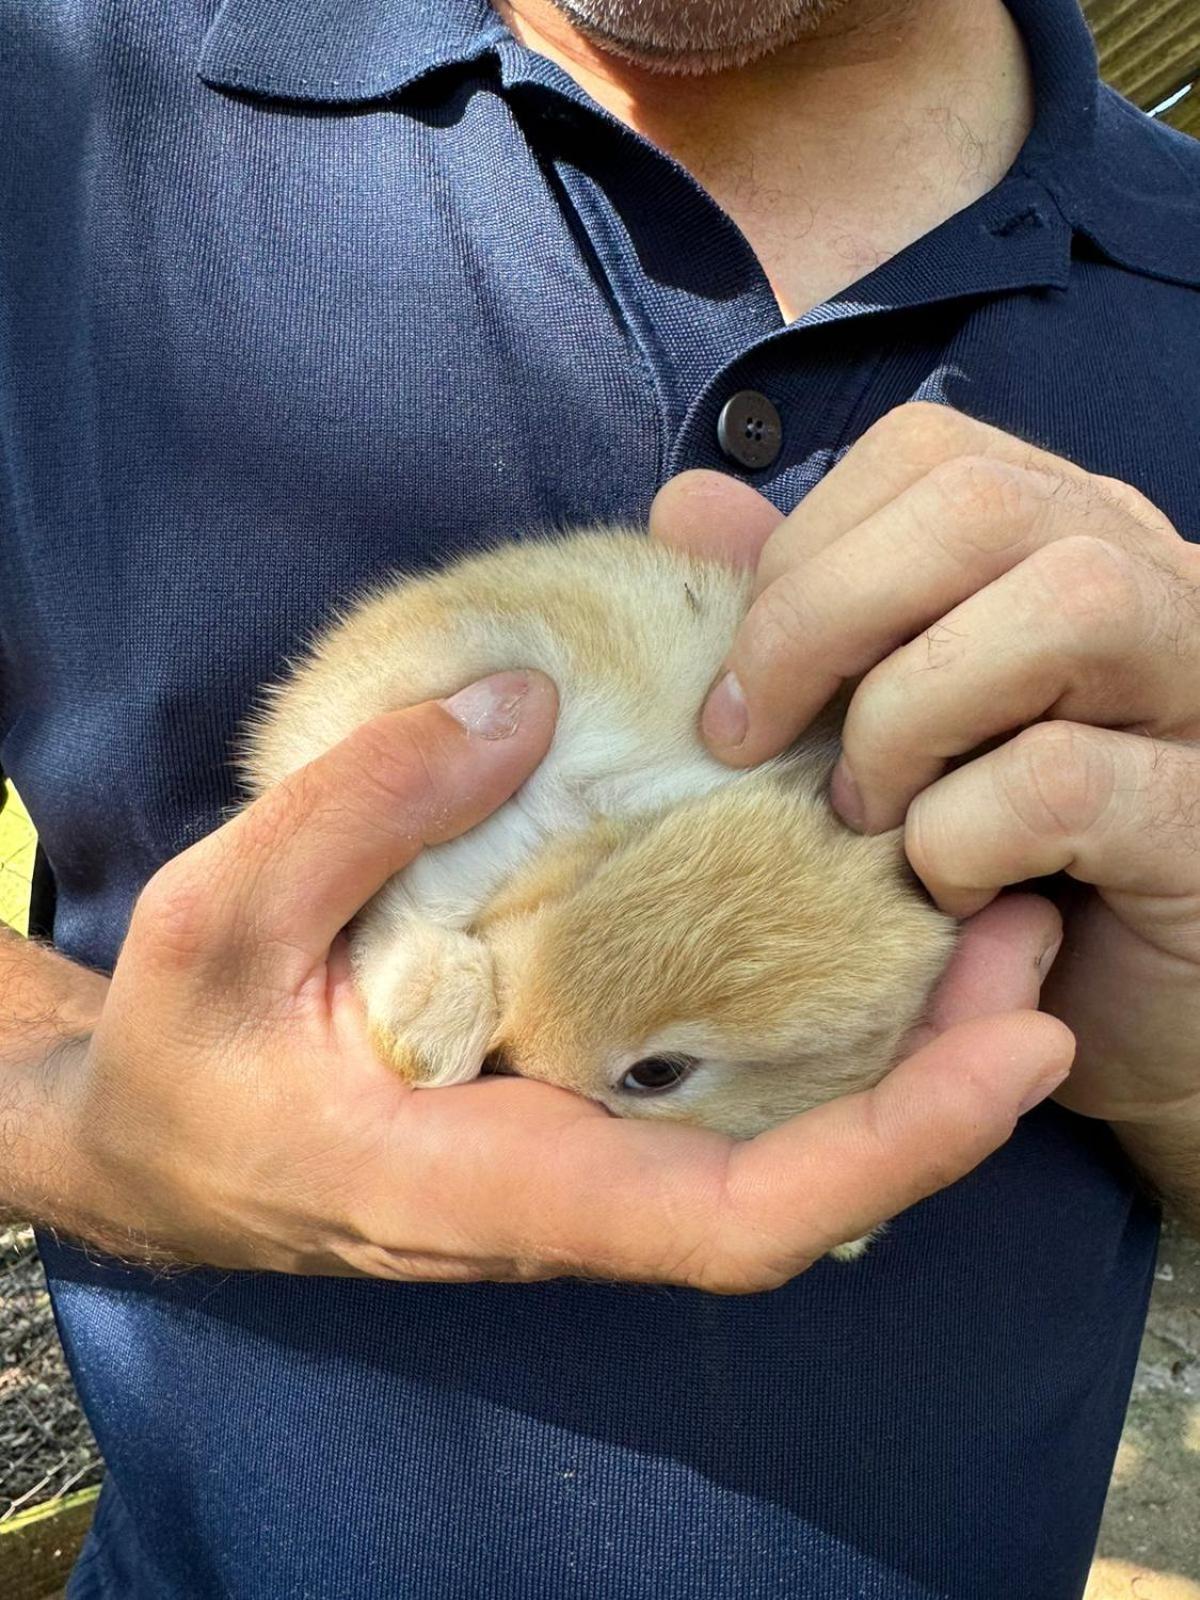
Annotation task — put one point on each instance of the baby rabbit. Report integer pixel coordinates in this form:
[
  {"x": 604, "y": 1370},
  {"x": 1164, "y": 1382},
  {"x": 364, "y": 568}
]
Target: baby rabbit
[{"x": 638, "y": 923}]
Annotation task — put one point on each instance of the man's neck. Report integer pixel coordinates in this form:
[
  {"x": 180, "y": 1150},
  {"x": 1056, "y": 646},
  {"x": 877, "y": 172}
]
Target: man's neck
[{"x": 834, "y": 153}]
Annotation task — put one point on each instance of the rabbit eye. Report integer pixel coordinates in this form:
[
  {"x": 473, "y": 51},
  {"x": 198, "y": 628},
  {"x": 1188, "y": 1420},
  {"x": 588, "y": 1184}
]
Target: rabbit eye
[{"x": 658, "y": 1073}]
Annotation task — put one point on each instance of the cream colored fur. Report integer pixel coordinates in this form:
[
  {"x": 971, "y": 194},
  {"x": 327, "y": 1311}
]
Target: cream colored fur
[{"x": 635, "y": 898}]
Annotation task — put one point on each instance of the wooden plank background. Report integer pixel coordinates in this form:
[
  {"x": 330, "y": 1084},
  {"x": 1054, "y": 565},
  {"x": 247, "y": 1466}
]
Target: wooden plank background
[{"x": 1149, "y": 50}]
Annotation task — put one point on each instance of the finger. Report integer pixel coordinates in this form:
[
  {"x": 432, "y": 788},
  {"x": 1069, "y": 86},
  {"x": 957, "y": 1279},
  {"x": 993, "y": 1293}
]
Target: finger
[
  {"x": 711, "y": 515},
  {"x": 1001, "y": 958},
  {"x": 836, "y": 1173},
  {"x": 954, "y": 538},
  {"x": 1109, "y": 808},
  {"x": 548, "y": 1182},
  {"x": 901, "y": 449},
  {"x": 1079, "y": 631},
  {"x": 274, "y": 886}
]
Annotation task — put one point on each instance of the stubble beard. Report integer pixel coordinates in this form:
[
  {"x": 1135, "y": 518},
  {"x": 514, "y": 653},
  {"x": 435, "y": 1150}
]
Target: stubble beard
[{"x": 696, "y": 36}]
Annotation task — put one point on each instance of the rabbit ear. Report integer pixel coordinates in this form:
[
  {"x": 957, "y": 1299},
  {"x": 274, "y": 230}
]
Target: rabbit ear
[
  {"x": 430, "y": 995},
  {"x": 556, "y": 871}
]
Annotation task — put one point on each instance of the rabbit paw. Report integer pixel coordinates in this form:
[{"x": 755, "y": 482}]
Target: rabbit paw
[{"x": 430, "y": 997}]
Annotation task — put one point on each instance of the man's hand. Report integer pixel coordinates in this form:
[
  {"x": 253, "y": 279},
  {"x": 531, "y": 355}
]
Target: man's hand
[
  {"x": 229, "y": 1109},
  {"x": 994, "y": 597}
]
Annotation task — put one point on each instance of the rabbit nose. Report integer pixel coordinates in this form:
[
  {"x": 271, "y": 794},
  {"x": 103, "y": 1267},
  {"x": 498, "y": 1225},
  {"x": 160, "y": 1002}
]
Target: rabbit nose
[{"x": 498, "y": 1064}]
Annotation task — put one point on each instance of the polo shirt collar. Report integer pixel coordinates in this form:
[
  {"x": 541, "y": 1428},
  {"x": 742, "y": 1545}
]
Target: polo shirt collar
[
  {"x": 1097, "y": 162},
  {"x": 347, "y": 51},
  {"x": 332, "y": 52}
]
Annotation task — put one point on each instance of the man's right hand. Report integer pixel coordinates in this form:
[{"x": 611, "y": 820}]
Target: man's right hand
[{"x": 228, "y": 1108}]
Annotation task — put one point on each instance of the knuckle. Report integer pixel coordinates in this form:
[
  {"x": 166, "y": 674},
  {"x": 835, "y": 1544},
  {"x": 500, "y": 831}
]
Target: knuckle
[
  {"x": 389, "y": 767},
  {"x": 733, "y": 1275},
  {"x": 399, "y": 758},
  {"x": 984, "y": 504},
  {"x": 885, "y": 1116},
  {"x": 263, "y": 826},
  {"x": 741, "y": 1255},
  {"x": 925, "y": 834},
  {"x": 875, "y": 718},
  {"x": 780, "y": 620},
  {"x": 1090, "y": 582},
  {"x": 1059, "y": 778},
  {"x": 173, "y": 916}
]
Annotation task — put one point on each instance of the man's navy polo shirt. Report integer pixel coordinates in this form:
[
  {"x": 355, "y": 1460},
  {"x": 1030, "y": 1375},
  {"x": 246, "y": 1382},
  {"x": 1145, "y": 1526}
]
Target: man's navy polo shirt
[{"x": 297, "y": 292}]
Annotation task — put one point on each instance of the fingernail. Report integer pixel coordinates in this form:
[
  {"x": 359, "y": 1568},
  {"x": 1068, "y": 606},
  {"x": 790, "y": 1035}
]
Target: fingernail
[
  {"x": 847, "y": 801},
  {"x": 726, "y": 718},
  {"x": 1042, "y": 1091},
  {"x": 491, "y": 708},
  {"x": 1046, "y": 960}
]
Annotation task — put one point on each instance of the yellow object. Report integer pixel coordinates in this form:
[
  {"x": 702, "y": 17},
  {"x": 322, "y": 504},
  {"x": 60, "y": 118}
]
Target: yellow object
[
  {"x": 1126, "y": 1580},
  {"x": 17, "y": 841},
  {"x": 38, "y": 1548}
]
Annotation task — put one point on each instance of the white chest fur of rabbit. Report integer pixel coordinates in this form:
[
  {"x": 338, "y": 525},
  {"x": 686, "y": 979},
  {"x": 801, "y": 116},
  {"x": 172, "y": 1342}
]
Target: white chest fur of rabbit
[{"x": 639, "y": 923}]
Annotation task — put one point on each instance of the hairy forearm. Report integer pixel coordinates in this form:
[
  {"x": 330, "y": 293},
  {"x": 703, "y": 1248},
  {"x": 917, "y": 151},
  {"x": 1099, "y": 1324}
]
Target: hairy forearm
[
  {"x": 47, "y": 1006},
  {"x": 1168, "y": 1156}
]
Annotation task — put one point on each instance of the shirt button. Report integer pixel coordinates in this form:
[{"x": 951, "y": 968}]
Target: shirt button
[{"x": 749, "y": 430}]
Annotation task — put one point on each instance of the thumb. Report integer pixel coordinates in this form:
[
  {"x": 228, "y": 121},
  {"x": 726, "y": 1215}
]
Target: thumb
[
  {"x": 295, "y": 866},
  {"x": 713, "y": 516}
]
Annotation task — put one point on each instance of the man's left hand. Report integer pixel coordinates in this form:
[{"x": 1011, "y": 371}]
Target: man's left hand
[{"x": 1028, "y": 639}]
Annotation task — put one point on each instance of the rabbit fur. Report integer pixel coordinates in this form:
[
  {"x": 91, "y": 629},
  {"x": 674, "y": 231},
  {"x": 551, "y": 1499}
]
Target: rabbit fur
[{"x": 637, "y": 911}]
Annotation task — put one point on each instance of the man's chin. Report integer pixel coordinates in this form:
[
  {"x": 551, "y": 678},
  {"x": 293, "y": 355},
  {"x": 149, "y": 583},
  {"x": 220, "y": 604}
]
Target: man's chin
[{"x": 678, "y": 59}]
